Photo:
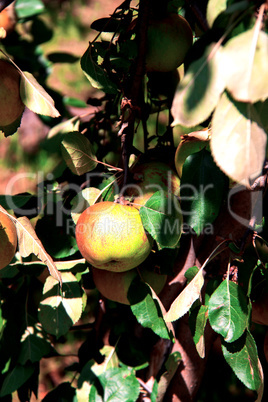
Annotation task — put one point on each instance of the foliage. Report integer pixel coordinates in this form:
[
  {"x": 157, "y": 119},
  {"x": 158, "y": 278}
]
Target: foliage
[{"x": 219, "y": 108}]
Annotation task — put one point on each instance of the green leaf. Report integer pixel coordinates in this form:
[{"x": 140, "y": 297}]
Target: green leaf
[
  {"x": 78, "y": 153},
  {"x": 16, "y": 378},
  {"x": 33, "y": 348},
  {"x": 14, "y": 201},
  {"x": 171, "y": 366},
  {"x": 161, "y": 217},
  {"x": 57, "y": 313},
  {"x": 202, "y": 190},
  {"x": 95, "y": 73},
  {"x": 57, "y": 240},
  {"x": 65, "y": 127},
  {"x": 34, "y": 96},
  {"x": 246, "y": 65},
  {"x": 119, "y": 385},
  {"x": 146, "y": 308},
  {"x": 262, "y": 111},
  {"x": 182, "y": 304},
  {"x": 190, "y": 144},
  {"x": 228, "y": 311},
  {"x": 242, "y": 356},
  {"x": 28, "y": 8},
  {"x": 83, "y": 200},
  {"x": 198, "y": 92},
  {"x": 238, "y": 140},
  {"x": 199, "y": 338}
]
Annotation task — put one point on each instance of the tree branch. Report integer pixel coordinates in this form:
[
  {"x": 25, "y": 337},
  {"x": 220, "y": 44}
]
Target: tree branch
[{"x": 133, "y": 101}]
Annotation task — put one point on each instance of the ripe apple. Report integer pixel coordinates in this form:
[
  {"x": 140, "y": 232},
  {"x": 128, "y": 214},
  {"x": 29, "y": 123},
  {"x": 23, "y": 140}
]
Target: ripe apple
[
  {"x": 11, "y": 106},
  {"x": 8, "y": 240},
  {"x": 114, "y": 285},
  {"x": 8, "y": 18},
  {"x": 150, "y": 177},
  {"x": 168, "y": 41},
  {"x": 111, "y": 236}
]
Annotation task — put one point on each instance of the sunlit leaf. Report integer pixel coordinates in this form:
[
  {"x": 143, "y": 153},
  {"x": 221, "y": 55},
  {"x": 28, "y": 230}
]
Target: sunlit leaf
[
  {"x": 228, "y": 311},
  {"x": 238, "y": 140},
  {"x": 83, "y": 200},
  {"x": 242, "y": 356},
  {"x": 199, "y": 337},
  {"x": 217, "y": 7},
  {"x": 246, "y": 66},
  {"x": 214, "y": 8},
  {"x": 161, "y": 217},
  {"x": 171, "y": 366},
  {"x": 34, "y": 96},
  {"x": 28, "y": 8},
  {"x": 119, "y": 384},
  {"x": 29, "y": 243},
  {"x": 66, "y": 126},
  {"x": 198, "y": 93},
  {"x": 58, "y": 311},
  {"x": 186, "y": 298},
  {"x": 78, "y": 153}
]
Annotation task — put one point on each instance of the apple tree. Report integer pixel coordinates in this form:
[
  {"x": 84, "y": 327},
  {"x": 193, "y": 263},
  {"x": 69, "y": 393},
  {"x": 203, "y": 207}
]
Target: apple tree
[{"x": 139, "y": 265}]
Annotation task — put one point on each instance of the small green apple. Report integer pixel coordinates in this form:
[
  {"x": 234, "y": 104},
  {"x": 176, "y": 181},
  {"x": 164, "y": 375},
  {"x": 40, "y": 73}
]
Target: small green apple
[
  {"x": 111, "y": 236},
  {"x": 8, "y": 240},
  {"x": 150, "y": 177},
  {"x": 114, "y": 285},
  {"x": 168, "y": 41}
]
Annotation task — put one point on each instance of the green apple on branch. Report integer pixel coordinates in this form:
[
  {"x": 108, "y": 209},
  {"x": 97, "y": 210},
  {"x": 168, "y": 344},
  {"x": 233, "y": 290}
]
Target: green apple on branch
[{"x": 168, "y": 41}]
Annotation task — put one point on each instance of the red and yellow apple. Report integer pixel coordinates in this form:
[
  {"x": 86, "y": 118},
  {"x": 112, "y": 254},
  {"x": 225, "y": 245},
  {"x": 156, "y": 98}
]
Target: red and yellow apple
[
  {"x": 168, "y": 41},
  {"x": 8, "y": 240},
  {"x": 114, "y": 285},
  {"x": 149, "y": 178},
  {"x": 11, "y": 105},
  {"x": 111, "y": 236}
]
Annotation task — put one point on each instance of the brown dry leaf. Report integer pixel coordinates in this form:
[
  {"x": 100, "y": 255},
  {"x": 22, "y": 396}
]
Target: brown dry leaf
[{"x": 28, "y": 243}]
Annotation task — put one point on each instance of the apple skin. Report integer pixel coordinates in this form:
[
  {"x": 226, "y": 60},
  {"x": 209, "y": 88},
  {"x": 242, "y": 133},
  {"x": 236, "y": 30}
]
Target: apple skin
[
  {"x": 168, "y": 41},
  {"x": 111, "y": 236},
  {"x": 11, "y": 106},
  {"x": 8, "y": 240},
  {"x": 151, "y": 177},
  {"x": 8, "y": 18},
  {"x": 114, "y": 285}
]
